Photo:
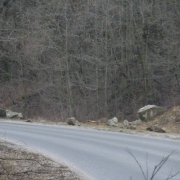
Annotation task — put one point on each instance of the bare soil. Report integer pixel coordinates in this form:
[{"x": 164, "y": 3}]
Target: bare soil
[{"x": 168, "y": 121}]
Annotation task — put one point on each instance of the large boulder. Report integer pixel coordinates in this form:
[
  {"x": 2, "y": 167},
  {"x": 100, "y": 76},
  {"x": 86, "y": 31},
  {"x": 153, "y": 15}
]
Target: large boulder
[
  {"x": 112, "y": 122},
  {"x": 2, "y": 113},
  {"x": 149, "y": 112},
  {"x": 13, "y": 115}
]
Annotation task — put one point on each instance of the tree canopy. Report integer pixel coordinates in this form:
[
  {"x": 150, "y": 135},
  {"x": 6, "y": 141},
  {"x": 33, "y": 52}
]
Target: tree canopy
[{"x": 89, "y": 58}]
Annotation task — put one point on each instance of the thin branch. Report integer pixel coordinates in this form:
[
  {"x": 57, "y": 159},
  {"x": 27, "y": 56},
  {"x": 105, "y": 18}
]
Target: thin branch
[
  {"x": 160, "y": 165},
  {"x": 147, "y": 167},
  {"x": 156, "y": 168},
  {"x": 130, "y": 152},
  {"x": 173, "y": 175}
]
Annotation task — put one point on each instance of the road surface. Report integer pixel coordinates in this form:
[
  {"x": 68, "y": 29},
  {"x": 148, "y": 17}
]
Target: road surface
[{"x": 99, "y": 155}]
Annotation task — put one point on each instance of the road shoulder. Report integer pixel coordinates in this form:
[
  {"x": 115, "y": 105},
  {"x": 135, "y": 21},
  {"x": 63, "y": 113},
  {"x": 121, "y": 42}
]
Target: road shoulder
[{"x": 17, "y": 162}]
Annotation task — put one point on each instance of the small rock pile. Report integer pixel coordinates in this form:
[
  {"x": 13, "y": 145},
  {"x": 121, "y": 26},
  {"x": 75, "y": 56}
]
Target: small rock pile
[
  {"x": 72, "y": 121},
  {"x": 112, "y": 122},
  {"x": 131, "y": 125}
]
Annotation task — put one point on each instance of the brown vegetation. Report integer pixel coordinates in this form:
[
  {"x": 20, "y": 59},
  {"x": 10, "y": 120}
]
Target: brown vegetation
[
  {"x": 89, "y": 59},
  {"x": 169, "y": 121}
]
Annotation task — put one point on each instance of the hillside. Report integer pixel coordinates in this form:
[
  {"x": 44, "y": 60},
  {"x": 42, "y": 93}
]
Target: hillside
[
  {"x": 168, "y": 121},
  {"x": 88, "y": 59}
]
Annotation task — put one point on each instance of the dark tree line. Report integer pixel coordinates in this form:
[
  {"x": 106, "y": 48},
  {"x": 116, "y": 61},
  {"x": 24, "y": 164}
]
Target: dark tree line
[{"x": 89, "y": 58}]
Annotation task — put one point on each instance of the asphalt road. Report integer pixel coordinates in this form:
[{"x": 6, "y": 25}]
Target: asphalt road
[{"x": 99, "y": 155}]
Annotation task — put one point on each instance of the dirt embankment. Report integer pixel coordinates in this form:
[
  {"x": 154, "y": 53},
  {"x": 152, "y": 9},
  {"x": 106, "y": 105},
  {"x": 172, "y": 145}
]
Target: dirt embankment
[{"x": 169, "y": 121}]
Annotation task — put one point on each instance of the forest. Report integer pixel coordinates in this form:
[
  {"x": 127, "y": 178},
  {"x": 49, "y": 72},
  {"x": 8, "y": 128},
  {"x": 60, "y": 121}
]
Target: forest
[{"x": 88, "y": 58}]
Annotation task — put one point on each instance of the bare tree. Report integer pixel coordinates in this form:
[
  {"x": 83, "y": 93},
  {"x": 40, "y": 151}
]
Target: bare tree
[{"x": 156, "y": 169}]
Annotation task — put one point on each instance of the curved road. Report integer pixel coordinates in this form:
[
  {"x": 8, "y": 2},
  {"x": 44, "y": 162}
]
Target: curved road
[{"x": 99, "y": 155}]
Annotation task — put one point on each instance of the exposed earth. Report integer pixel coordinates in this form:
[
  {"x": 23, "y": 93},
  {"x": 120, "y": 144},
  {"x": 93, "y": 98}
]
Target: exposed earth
[{"x": 169, "y": 121}]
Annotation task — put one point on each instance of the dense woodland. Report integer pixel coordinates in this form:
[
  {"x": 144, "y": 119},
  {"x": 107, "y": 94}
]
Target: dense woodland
[{"x": 88, "y": 58}]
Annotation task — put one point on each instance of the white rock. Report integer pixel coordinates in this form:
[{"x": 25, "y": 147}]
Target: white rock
[
  {"x": 149, "y": 112},
  {"x": 126, "y": 123},
  {"x": 11, "y": 114},
  {"x": 112, "y": 122}
]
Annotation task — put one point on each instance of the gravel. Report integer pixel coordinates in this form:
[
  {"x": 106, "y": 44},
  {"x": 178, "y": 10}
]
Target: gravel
[{"x": 17, "y": 163}]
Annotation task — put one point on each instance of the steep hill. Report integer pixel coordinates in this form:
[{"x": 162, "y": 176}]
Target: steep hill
[{"x": 88, "y": 59}]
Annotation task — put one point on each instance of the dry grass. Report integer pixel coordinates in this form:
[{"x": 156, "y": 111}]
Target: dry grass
[
  {"x": 169, "y": 120},
  {"x": 18, "y": 164}
]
